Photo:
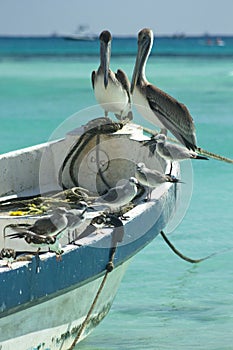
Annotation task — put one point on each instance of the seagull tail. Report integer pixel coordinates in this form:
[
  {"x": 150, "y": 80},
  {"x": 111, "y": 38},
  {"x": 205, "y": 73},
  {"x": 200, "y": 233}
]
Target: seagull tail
[
  {"x": 173, "y": 179},
  {"x": 15, "y": 235}
]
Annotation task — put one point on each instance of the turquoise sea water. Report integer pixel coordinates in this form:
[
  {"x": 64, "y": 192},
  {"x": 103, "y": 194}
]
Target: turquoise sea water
[{"x": 163, "y": 302}]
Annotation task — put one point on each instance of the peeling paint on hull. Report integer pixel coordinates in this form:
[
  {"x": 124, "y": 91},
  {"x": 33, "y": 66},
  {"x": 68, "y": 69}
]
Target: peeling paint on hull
[{"x": 66, "y": 313}]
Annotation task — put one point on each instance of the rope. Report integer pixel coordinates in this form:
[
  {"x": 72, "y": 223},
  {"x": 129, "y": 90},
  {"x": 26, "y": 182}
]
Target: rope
[
  {"x": 72, "y": 150},
  {"x": 109, "y": 268},
  {"x": 177, "y": 252},
  {"x": 91, "y": 130},
  {"x": 117, "y": 236},
  {"x": 74, "y": 159},
  {"x": 199, "y": 150},
  {"x": 98, "y": 162}
]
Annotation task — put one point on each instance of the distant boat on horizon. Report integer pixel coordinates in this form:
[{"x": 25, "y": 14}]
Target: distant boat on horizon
[{"x": 82, "y": 33}]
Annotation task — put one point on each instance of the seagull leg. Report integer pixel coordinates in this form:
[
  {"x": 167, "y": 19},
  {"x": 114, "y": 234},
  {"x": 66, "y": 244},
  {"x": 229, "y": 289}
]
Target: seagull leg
[
  {"x": 170, "y": 172},
  {"x": 149, "y": 194},
  {"x": 37, "y": 261},
  {"x": 58, "y": 256},
  {"x": 9, "y": 265}
]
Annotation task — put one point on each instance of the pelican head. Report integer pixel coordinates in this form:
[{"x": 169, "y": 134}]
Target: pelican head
[
  {"x": 145, "y": 42},
  {"x": 105, "y": 51}
]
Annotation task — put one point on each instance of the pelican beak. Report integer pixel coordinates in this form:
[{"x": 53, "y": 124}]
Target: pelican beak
[
  {"x": 144, "y": 47},
  {"x": 135, "y": 74},
  {"x": 139, "y": 64},
  {"x": 105, "y": 60}
]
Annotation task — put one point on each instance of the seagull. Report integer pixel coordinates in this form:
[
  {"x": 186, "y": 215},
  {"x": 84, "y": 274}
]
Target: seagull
[
  {"x": 76, "y": 216},
  {"x": 172, "y": 152},
  {"x": 152, "y": 178},
  {"x": 8, "y": 255},
  {"x": 154, "y": 104},
  {"x": 44, "y": 232},
  {"x": 117, "y": 197},
  {"x": 112, "y": 90}
]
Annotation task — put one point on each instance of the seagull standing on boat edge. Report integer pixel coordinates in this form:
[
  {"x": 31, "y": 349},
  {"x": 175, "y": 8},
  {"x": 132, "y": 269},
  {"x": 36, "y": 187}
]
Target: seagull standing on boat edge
[
  {"x": 172, "y": 152},
  {"x": 45, "y": 232},
  {"x": 154, "y": 104},
  {"x": 152, "y": 178},
  {"x": 118, "y": 196},
  {"x": 112, "y": 90}
]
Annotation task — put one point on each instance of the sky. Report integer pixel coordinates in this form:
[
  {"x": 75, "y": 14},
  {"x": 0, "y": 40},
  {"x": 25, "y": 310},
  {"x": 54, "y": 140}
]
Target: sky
[{"x": 121, "y": 17}]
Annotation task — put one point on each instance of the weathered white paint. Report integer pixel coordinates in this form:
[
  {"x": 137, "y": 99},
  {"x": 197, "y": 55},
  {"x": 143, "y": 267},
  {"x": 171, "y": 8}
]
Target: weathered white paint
[
  {"x": 35, "y": 170},
  {"x": 52, "y": 324}
]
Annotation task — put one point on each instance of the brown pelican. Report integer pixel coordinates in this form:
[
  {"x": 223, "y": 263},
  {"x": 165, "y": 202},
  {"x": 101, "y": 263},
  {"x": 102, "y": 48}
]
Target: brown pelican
[
  {"x": 112, "y": 90},
  {"x": 154, "y": 104},
  {"x": 172, "y": 152}
]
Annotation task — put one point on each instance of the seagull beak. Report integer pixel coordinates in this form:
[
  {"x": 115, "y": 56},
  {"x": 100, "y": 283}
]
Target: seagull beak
[{"x": 105, "y": 60}]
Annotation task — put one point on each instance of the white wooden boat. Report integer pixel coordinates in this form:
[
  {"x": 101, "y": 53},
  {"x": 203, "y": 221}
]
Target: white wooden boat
[{"x": 44, "y": 302}]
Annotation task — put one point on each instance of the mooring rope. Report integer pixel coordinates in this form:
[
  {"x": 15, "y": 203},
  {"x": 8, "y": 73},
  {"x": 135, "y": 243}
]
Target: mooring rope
[
  {"x": 199, "y": 150},
  {"x": 177, "y": 252},
  {"x": 117, "y": 236}
]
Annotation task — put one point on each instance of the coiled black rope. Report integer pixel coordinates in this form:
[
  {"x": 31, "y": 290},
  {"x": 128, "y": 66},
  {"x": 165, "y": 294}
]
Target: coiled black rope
[{"x": 92, "y": 129}]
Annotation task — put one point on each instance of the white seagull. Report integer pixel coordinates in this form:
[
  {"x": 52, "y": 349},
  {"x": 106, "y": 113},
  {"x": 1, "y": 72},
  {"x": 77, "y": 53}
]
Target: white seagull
[
  {"x": 77, "y": 215},
  {"x": 112, "y": 90},
  {"x": 154, "y": 104},
  {"x": 8, "y": 255},
  {"x": 172, "y": 152},
  {"x": 44, "y": 232},
  {"x": 117, "y": 197},
  {"x": 152, "y": 178}
]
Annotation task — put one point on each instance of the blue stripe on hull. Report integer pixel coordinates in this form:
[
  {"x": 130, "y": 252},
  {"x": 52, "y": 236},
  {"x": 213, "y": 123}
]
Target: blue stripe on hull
[{"x": 23, "y": 287}]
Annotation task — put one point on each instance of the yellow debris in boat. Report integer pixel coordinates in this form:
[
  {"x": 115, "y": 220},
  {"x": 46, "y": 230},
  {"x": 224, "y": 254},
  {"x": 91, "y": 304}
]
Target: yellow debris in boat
[{"x": 17, "y": 213}]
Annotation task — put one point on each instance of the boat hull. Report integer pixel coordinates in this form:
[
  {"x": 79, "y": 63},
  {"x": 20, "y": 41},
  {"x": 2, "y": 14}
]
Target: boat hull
[
  {"x": 53, "y": 324},
  {"x": 44, "y": 302}
]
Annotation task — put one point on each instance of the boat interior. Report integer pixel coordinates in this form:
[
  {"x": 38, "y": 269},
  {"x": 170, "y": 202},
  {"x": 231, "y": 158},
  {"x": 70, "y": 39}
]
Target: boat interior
[{"x": 81, "y": 166}]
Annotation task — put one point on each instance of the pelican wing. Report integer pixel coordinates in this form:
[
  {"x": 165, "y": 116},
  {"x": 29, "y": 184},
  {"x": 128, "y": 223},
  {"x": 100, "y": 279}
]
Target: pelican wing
[
  {"x": 173, "y": 115},
  {"x": 123, "y": 79}
]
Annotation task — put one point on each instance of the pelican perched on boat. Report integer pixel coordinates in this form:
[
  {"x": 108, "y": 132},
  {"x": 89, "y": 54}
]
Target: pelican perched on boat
[
  {"x": 112, "y": 90},
  {"x": 154, "y": 104}
]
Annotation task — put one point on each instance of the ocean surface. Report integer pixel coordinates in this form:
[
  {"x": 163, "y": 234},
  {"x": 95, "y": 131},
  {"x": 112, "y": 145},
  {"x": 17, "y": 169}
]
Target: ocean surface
[{"x": 163, "y": 303}]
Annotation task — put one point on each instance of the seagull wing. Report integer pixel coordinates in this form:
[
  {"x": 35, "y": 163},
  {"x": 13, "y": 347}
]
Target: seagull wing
[
  {"x": 43, "y": 226},
  {"x": 173, "y": 115},
  {"x": 112, "y": 195}
]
